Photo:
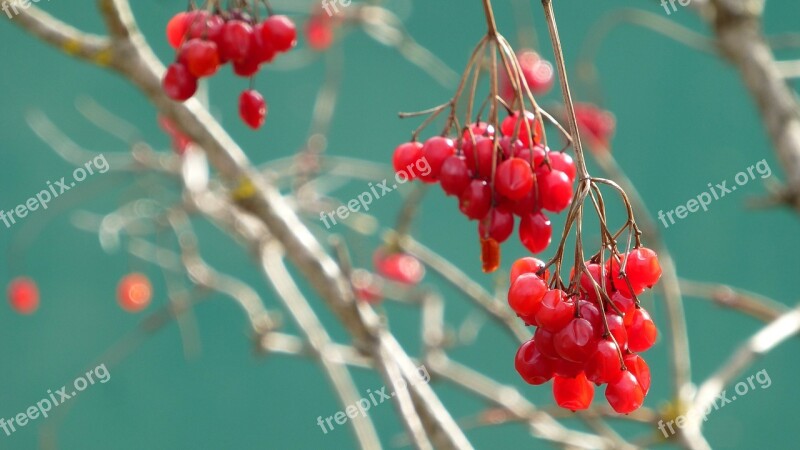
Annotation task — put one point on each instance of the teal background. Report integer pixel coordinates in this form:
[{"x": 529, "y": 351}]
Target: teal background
[{"x": 684, "y": 120}]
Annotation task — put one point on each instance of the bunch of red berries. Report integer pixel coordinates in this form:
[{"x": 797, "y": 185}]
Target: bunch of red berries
[
  {"x": 497, "y": 176},
  {"x": 206, "y": 40},
  {"x": 588, "y": 334}
]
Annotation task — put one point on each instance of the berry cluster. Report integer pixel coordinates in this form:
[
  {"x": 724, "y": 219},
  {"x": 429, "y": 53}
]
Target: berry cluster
[
  {"x": 206, "y": 40},
  {"x": 591, "y": 335},
  {"x": 497, "y": 176}
]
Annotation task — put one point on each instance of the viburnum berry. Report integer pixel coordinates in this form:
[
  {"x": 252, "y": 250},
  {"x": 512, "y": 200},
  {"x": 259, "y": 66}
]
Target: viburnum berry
[
  {"x": 498, "y": 224},
  {"x": 176, "y": 29},
  {"x": 436, "y": 151},
  {"x": 538, "y": 72},
  {"x": 200, "y": 57},
  {"x": 642, "y": 267},
  {"x": 366, "y": 286},
  {"x": 480, "y": 156},
  {"x": 555, "y": 310},
  {"x": 514, "y": 179},
  {"x": 179, "y": 84},
  {"x": 527, "y": 128},
  {"x": 23, "y": 295},
  {"x": 400, "y": 267},
  {"x": 544, "y": 342},
  {"x": 319, "y": 33},
  {"x": 134, "y": 292},
  {"x": 535, "y": 232},
  {"x": 625, "y": 395},
  {"x": 563, "y": 162},
  {"x": 252, "y": 108},
  {"x": 576, "y": 341},
  {"x": 555, "y": 189},
  {"x": 604, "y": 366},
  {"x": 594, "y": 123},
  {"x": 235, "y": 40},
  {"x": 281, "y": 32},
  {"x": 567, "y": 369},
  {"x": 204, "y": 25},
  {"x": 642, "y": 332},
  {"x": 616, "y": 326},
  {"x": 476, "y": 200},
  {"x": 637, "y": 366},
  {"x": 528, "y": 264},
  {"x": 454, "y": 176},
  {"x": 526, "y": 294},
  {"x": 573, "y": 393},
  {"x": 180, "y": 142},
  {"x": 406, "y": 155},
  {"x": 532, "y": 366}
]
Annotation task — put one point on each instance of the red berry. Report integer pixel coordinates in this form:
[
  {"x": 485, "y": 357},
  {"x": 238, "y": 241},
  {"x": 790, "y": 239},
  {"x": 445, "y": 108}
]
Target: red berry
[
  {"x": 23, "y": 295},
  {"x": 555, "y": 310},
  {"x": 544, "y": 343},
  {"x": 134, "y": 292},
  {"x": 479, "y": 158},
  {"x": 498, "y": 224},
  {"x": 476, "y": 200},
  {"x": 235, "y": 40},
  {"x": 527, "y": 264},
  {"x": 526, "y": 293},
  {"x": 637, "y": 366},
  {"x": 180, "y": 142},
  {"x": 454, "y": 176},
  {"x": 527, "y": 205},
  {"x": 604, "y": 366},
  {"x": 366, "y": 287},
  {"x": 436, "y": 150},
  {"x": 598, "y": 125},
  {"x": 535, "y": 232},
  {"x": 531, "y": 365},
  {"x": 246, "y": 67},
  {"x": 281, "y": 32},
  {"x": 538, "y": 72},
  {"x": 252, "y": 108},
  {"x": 405, "y": 156},
  {"x": 260, "y": 49},
  {"x": 573, "y": 393},
  {"x": 623, "y": 303},
  {"x": 176, "y": 29},
  {"x": 576, "y": 341},
  {"x": 567, "y": 369},
  {"x": 563, "y": 162},
  {"x": 200, "y": 57},
  {"x": 616, "y": 327},
  {"x": 400, "y": 267},
  {"x": 514, "y": 179},
  {"x": 625, "y": 395},
  {"x": 526, "y": 127},
  {"x": 642, "y": 267},
  {"x": 203, "y": 25},
  {"x": 178, "y": 83},
  {"x": 642, "y": 332},
  {"x": 596, "y": 271},
  {"x": 555, "y": 189}
]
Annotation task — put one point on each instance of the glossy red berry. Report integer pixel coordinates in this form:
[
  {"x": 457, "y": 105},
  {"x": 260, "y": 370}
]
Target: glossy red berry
[
  {"x": 200, "y": 57},
  {"x": 544, "y": 343},
  {"x": 625, "y": 395},
  {"x": 252, "y": 108},
  {"x": 514, "y": 179},
  {"x": 400, "y": 267},
  {"x": 642, "y": 332},
  {"x": 454, "y": 176},
  {"x": 623, "y": 303},
  {"x": 555, "y": 310},
  {"x": 538, "y": 72},
  {"x": 23, "y": 295},
  {"x": 479, "y": 158},
  {"x": 535, "y": 232},
  {"x": 235, "y": 40},
  {"x": 528, "y": 264},
  {"x": 179, "y": 84},
  {"x": 498, "y": 224},
  {"x": 643, "y": 268},
  {"x": 524, "y": 128},
  {"x": 476, "y": 200},
  {"x": 281, "y": 31},
  {"x": 176, "y": 29},
  {"x": 526, "y": 293},
  {"x": 576, "y": 341},
  {"x": 532, "y": 366},
  {"x": 261, "y": 50},
  {"x": 436, "y": 150},
  {"x": 203, "y": 25},
  {"x": 405, "y": 156},
  {"x": 134, "y": 292},
  {"x": 637, "y": 366},
  {"x": 616, "y": 326},
  {"x": 573, "y": 393},
  {"x": 563, "y": 162},
  {"x": 596, "y": 272},
  {"x": 555, "y": 189},
  {"x": 604, "y": 366}
]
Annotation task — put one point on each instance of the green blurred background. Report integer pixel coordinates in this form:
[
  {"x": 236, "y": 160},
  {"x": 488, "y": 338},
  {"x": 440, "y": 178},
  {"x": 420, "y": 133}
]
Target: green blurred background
[{"x": 684, "y": 120}]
